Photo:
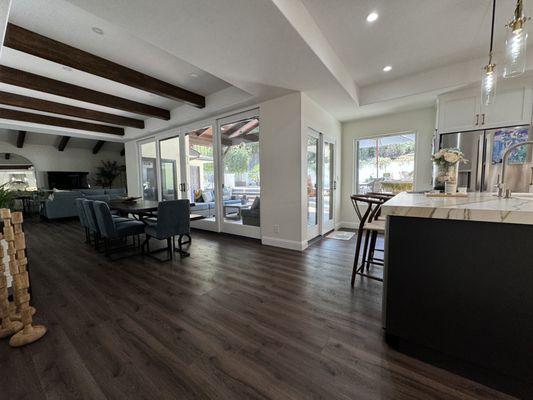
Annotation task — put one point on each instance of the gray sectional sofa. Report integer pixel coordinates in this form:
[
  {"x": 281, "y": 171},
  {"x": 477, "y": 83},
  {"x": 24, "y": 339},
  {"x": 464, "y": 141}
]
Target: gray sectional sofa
[
  {"x": 205, "y": 206},
  {"x": 60, "y": 204}
]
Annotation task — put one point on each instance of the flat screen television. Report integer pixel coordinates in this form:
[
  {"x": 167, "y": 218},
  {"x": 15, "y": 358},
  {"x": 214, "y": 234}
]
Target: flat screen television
[{"x": 67, "y": 180}]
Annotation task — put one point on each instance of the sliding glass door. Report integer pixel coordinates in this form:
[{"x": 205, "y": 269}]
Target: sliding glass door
[
  {"x": 149, "y": 170},
  {"x": 320, "y": 184},
  {"x": 170, "y": 166},
  {"x": 240, "y": 188},
  {"x": 201, "y": 181},
  {"x": 312, "y": 181},
  {"x": 215, "y": 164},
  {"x": 328, "y": 186}
]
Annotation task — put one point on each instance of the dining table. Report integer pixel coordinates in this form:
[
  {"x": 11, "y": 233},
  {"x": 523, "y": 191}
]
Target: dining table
[
  {"x": 144, "y": 210},
  {"x": 141, "y": 209}
]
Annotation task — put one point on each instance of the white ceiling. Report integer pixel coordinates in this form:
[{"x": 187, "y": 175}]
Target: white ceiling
[
  {"x": 410, "y": 35},
  {"x": 247, "y": 51}
]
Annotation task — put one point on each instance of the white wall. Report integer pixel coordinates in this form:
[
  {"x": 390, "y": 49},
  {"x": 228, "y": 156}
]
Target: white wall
[
  {"x": 281, "y": 172},
  {"x": 47, "y": 158},
  {"x": 315, "y": 117},
  {"x": 422, "y": 122}
]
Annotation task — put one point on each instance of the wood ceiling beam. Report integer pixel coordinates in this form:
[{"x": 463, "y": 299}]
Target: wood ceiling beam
[
  {"x": 6, "y": 113},
  {"x": 17, "y": 100},
  {"x": 98, "y": 146},
  {"x": 201, "y": 141},
  {"x": 248, "y": 127},
  {"x": 63, "y": 143},
  {"x": 20, "y": 139},
  {"x": 37, "y": 45},
  {"x": 27, "y": 80},
  {"x": 235, "y": 127}
]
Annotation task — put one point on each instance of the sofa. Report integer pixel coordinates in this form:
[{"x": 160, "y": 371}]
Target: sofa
[
  {"x": 61, "y": 204},
  {"x": 205, "y": 204},
  {"x": 253, "y": 215}
]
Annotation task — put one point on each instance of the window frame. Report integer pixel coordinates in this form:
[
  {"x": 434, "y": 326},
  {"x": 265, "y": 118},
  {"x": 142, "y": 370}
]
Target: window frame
[{"x": 355, "y": 165}]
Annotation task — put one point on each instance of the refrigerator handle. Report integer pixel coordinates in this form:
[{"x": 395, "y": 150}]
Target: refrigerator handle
[{"x": 480, "y": 164}]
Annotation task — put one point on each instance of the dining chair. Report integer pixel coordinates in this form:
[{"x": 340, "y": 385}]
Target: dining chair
[
  {"x": 368, "y": 209},
  {"x": 173, "y": 219},
  {"x": 88, "y": 207},
  {"x": 111, "y": 231},
  {"x": 83, "y": 219}
]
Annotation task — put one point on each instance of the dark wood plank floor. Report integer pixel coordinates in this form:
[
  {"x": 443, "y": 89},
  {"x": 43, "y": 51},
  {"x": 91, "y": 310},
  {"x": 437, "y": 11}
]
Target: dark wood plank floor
[{"x": 236, "y": 320}]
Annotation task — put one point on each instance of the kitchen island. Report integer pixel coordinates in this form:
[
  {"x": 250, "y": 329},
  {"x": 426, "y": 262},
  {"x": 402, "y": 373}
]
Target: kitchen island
[{"x": 458, "y": 285}]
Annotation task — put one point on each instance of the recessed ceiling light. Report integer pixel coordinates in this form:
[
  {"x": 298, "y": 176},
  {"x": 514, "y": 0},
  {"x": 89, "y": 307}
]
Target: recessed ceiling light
[
  {"x": 98, "y": 31},
  {"x": 387, "y": 68},
  {"x": 193, "y": 75},
  {"x": 373, "y": 16}
]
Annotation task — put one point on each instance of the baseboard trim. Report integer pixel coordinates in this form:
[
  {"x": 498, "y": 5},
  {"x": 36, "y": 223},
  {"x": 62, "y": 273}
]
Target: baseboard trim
[
  {"x": 283, "y": 243},
  {"x": 348, "y": 225}
]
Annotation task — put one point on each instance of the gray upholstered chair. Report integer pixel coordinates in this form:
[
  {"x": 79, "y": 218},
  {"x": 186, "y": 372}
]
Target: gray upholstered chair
[
  {"x": 91, "y": 222},
  {"x": 88, "y": 206},
  {"x": 83, "y": 219},
  {"x": 110, "y": 230},
  {"x": 173, "y": 219},
  {"x": 253, "y": 215}
]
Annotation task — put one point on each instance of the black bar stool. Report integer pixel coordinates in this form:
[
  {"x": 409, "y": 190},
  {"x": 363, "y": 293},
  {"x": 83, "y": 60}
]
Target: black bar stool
[{"x": 368, "y": 209}]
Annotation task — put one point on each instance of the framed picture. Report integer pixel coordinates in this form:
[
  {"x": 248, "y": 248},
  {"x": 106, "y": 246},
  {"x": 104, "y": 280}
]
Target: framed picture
[{"x": 505, "y": 138}]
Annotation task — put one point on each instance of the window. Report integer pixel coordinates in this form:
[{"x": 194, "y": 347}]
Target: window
[
  {"x": 148, "y": 171},
  {"x": 386, "y": 163}
]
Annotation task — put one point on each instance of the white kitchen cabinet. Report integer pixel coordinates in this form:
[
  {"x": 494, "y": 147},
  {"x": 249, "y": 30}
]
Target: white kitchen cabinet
[
  {"x": 459, "y": 111},
  {"x": 462, "y": 110},
  {"x": 510, "y": 107}
]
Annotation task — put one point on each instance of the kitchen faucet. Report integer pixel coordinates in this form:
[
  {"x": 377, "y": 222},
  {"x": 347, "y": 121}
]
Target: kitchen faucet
[{"x": 502, "y": 190}]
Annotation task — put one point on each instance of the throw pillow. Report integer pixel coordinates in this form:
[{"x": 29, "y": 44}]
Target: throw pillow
[
  {"x": 198, "y": 196},
  {"x": 208, "y": 196},
  {"x": 226, "y": 194}
]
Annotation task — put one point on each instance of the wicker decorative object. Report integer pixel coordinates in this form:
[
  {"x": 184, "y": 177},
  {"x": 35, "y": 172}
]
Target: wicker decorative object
[
  {"x": 16, "y": 241},
  {"x": 8, "y": 327}
]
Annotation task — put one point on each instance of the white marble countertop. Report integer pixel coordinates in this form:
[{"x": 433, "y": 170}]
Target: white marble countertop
[{"x": 484, "y": 207}]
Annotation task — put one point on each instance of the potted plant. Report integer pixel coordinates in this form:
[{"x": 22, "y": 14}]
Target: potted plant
[
  {"x": 107, "y": 173},
  {"x": 6, "y": 197},
  {"x": 446, "y": 171}
]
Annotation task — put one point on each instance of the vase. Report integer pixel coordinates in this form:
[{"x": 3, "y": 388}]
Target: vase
[{"x": 443, "y": 173}]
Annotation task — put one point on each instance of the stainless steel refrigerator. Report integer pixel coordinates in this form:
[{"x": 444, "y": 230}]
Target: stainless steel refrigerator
[{"x": 484, "y": 151}]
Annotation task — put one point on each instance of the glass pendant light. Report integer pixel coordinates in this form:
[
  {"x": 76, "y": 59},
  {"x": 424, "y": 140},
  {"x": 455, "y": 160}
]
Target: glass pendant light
[
  {"x": 488, "y": 83},
  {"x": 516, "y": 44},
  {"x": 489, "y": 76}
]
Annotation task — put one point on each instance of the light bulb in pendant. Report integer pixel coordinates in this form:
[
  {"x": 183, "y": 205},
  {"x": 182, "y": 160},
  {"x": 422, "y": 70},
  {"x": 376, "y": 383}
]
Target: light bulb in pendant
[
  {"x": 488, "y": 84},
  {"x": 515, "y": 51},
  {"x": 516, "y": 44}
]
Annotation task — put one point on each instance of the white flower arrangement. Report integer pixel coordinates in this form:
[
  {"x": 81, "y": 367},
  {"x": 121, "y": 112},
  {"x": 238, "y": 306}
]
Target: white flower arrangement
[{"x": 448, "y": 157}]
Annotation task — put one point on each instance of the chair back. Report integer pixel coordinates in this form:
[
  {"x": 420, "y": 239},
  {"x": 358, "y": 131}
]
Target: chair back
[
  {"x": 367, "y": 207},
  {"x": 104, "y": 219},
  {"x": 173, "y": 218},
  {"x": 81, "y": 212},
  {"x": 90, "y": 216}
]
